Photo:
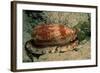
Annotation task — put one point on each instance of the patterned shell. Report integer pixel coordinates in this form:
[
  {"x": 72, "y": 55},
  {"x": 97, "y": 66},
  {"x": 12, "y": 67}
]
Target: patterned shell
[{"x": 53, "y": 34}]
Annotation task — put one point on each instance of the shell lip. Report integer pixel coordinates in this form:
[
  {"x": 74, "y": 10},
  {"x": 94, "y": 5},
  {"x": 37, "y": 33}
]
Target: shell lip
[{"x": 46, "y": 44}]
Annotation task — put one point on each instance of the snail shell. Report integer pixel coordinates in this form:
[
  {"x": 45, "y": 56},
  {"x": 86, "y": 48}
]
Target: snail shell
[{"x": 53, "y": 34}]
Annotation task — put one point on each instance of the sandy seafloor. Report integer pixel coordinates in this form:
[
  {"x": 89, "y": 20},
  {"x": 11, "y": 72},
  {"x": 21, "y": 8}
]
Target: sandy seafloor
[{"x": 83, "y": 53}]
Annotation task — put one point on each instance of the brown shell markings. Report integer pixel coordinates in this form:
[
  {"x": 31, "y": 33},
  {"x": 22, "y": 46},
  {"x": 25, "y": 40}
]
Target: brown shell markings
[{"x": 53, "y": 34}]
